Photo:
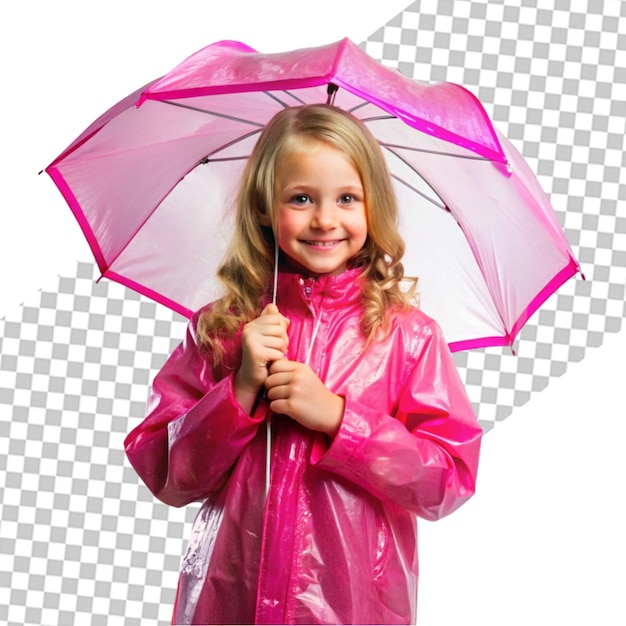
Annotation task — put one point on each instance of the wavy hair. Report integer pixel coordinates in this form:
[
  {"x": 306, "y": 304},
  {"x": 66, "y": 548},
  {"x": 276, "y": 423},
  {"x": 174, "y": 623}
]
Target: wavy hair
[{"x": 248, "y": 266}]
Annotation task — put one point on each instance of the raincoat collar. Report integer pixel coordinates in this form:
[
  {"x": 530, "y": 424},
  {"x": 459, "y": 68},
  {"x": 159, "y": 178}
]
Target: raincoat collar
[{"x": 336, "y": 291}]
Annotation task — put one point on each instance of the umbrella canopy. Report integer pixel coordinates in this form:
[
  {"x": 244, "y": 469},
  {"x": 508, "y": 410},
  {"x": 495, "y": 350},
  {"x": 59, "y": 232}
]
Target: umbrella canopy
[{"x": 152, "y": 183}]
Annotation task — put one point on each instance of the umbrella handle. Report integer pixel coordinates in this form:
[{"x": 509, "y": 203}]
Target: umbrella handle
[
  {"x": 275, "y": 286},
  {"x": 268, "y": 421},
  {"x": 268, "y": 453}
]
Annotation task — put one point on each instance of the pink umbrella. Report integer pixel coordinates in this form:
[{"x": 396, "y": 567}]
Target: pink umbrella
[{"x": 152, "y": 181}]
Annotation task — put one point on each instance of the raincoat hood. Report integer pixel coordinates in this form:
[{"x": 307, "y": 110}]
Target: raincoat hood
[{"x": 335, "y": 542}]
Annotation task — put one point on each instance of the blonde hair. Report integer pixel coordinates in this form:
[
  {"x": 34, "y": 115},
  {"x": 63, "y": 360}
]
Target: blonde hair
[{"x": 248, "y": 266}]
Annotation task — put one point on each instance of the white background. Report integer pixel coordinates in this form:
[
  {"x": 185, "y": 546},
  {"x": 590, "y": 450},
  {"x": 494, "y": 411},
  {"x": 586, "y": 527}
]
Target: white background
[{"x": 543, "y": 540}]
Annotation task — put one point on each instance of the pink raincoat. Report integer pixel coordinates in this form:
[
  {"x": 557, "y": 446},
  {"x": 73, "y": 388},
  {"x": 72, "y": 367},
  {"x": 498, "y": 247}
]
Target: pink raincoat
[{"x": 335, "y": 542}]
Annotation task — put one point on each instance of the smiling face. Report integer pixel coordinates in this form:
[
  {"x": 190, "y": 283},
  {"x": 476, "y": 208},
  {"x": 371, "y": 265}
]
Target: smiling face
[{"x": 321, "y": 216}]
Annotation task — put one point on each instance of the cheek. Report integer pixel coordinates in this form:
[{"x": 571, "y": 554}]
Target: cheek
[
  {"x": 359, "y": 226},
  {"x": 288, "y": 224}
]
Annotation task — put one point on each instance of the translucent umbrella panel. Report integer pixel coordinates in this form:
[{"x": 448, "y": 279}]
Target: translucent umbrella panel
[{"x": 152, "y": 183}]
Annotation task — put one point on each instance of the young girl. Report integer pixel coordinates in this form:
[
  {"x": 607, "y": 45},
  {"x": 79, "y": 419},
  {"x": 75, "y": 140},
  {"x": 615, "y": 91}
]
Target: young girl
[{"x": 370, "y": 422}]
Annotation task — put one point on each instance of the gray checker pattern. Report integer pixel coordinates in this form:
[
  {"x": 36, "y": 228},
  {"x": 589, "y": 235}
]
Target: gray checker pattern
[
  {"x": 81, "y": 540},
  {"x": 552, "y": 76}
]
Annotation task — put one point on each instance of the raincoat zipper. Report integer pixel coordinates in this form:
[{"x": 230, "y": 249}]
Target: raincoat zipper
[
  {"x": 307, "y": 290},
  {"x": 317, "y": 316}
]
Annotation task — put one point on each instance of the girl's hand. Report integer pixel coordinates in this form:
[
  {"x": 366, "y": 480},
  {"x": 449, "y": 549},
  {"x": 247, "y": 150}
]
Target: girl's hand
[
  {"x": 294, "y": 390},
  {"x": 263, "y": 340}
]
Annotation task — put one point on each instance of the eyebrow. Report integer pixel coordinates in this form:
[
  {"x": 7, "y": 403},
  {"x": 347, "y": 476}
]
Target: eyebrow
[{"x": 306, "y": 187}]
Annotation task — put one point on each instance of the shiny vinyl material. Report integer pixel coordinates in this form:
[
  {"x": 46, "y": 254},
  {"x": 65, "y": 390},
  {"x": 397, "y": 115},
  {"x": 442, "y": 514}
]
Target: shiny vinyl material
[{"x": 336, "y": 540}]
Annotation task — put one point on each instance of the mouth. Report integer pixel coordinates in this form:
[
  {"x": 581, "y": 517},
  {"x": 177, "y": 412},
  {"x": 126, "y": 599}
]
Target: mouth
[{"x": 317, "y": 243}]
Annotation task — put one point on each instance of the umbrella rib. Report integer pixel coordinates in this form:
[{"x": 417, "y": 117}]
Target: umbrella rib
[
  {"x": 414, "y": 149},
  {"x": 283, "y": 104},
  {"x": 426, "y": 151},
  {"x": 358, "y": 106},
  {"x": 293, "y": 95},
  {"x": 376, "y": 118},
  {"x": 203, "y": 161},
  {"x": 215, "y": 113},
  {"x": 232, "y": 143},
  {"x": 208, "y": 158},
  {"x": 232, "y": 117},
  {"x": 421, "y": 193}
]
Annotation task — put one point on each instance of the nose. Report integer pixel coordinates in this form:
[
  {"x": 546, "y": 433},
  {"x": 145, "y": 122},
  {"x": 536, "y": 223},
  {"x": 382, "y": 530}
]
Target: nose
[{"x": 325, "y": 216}]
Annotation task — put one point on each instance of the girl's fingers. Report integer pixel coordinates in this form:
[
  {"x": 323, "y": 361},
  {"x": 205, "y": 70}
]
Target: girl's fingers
[
  {"x": 279, "y": 379},
  {"x": 283, "y": 366},
  {"x": 271, "y": 325},
  {"x": 263, "y": 340},
  {"x": 276, "y": 381},
  {"x": 270, "y": 309},
  {"x": 273, "y": 316},
  {"x": 271, "y": 342},
  {"x": 265, "y": 336},
  {"x": 293, "y": 389},
  {"x": 278, "y": 393}
]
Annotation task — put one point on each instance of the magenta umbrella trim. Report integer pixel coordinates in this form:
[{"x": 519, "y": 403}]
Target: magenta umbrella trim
[
  {"x": 333, "y": 74},
  {"x": 455, "y": 346},
  {"x": 149, "y": 293},
  {"x": 507, "y": 340},
  {"x": 71, "y": 200},
  {"x": 421, "y": 125},
  {"x": 565, "y": 274}
]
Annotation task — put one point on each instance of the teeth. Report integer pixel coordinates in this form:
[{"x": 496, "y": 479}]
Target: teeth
[{"x": 323, "y": 244}]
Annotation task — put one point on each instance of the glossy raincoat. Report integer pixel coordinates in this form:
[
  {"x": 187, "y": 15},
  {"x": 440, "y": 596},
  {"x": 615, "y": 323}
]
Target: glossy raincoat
[{"x": 336, "y": 540}]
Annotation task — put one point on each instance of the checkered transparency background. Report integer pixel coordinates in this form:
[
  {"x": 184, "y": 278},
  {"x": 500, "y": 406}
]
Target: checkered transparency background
[{"x": 82, "y": 541}]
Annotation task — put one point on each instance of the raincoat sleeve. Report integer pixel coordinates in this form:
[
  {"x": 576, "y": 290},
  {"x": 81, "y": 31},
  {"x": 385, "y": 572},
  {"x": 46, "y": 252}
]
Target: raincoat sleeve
[
  {"x": 423, "y": 454},
  {"x": 194, "y": 429}
]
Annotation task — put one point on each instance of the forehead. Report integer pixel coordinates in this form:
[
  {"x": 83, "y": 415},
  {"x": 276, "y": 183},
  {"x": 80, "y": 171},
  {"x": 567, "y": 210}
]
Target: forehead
[
  {"x": 322, "y": 168},
  {"x": 304, "y": 146}
]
